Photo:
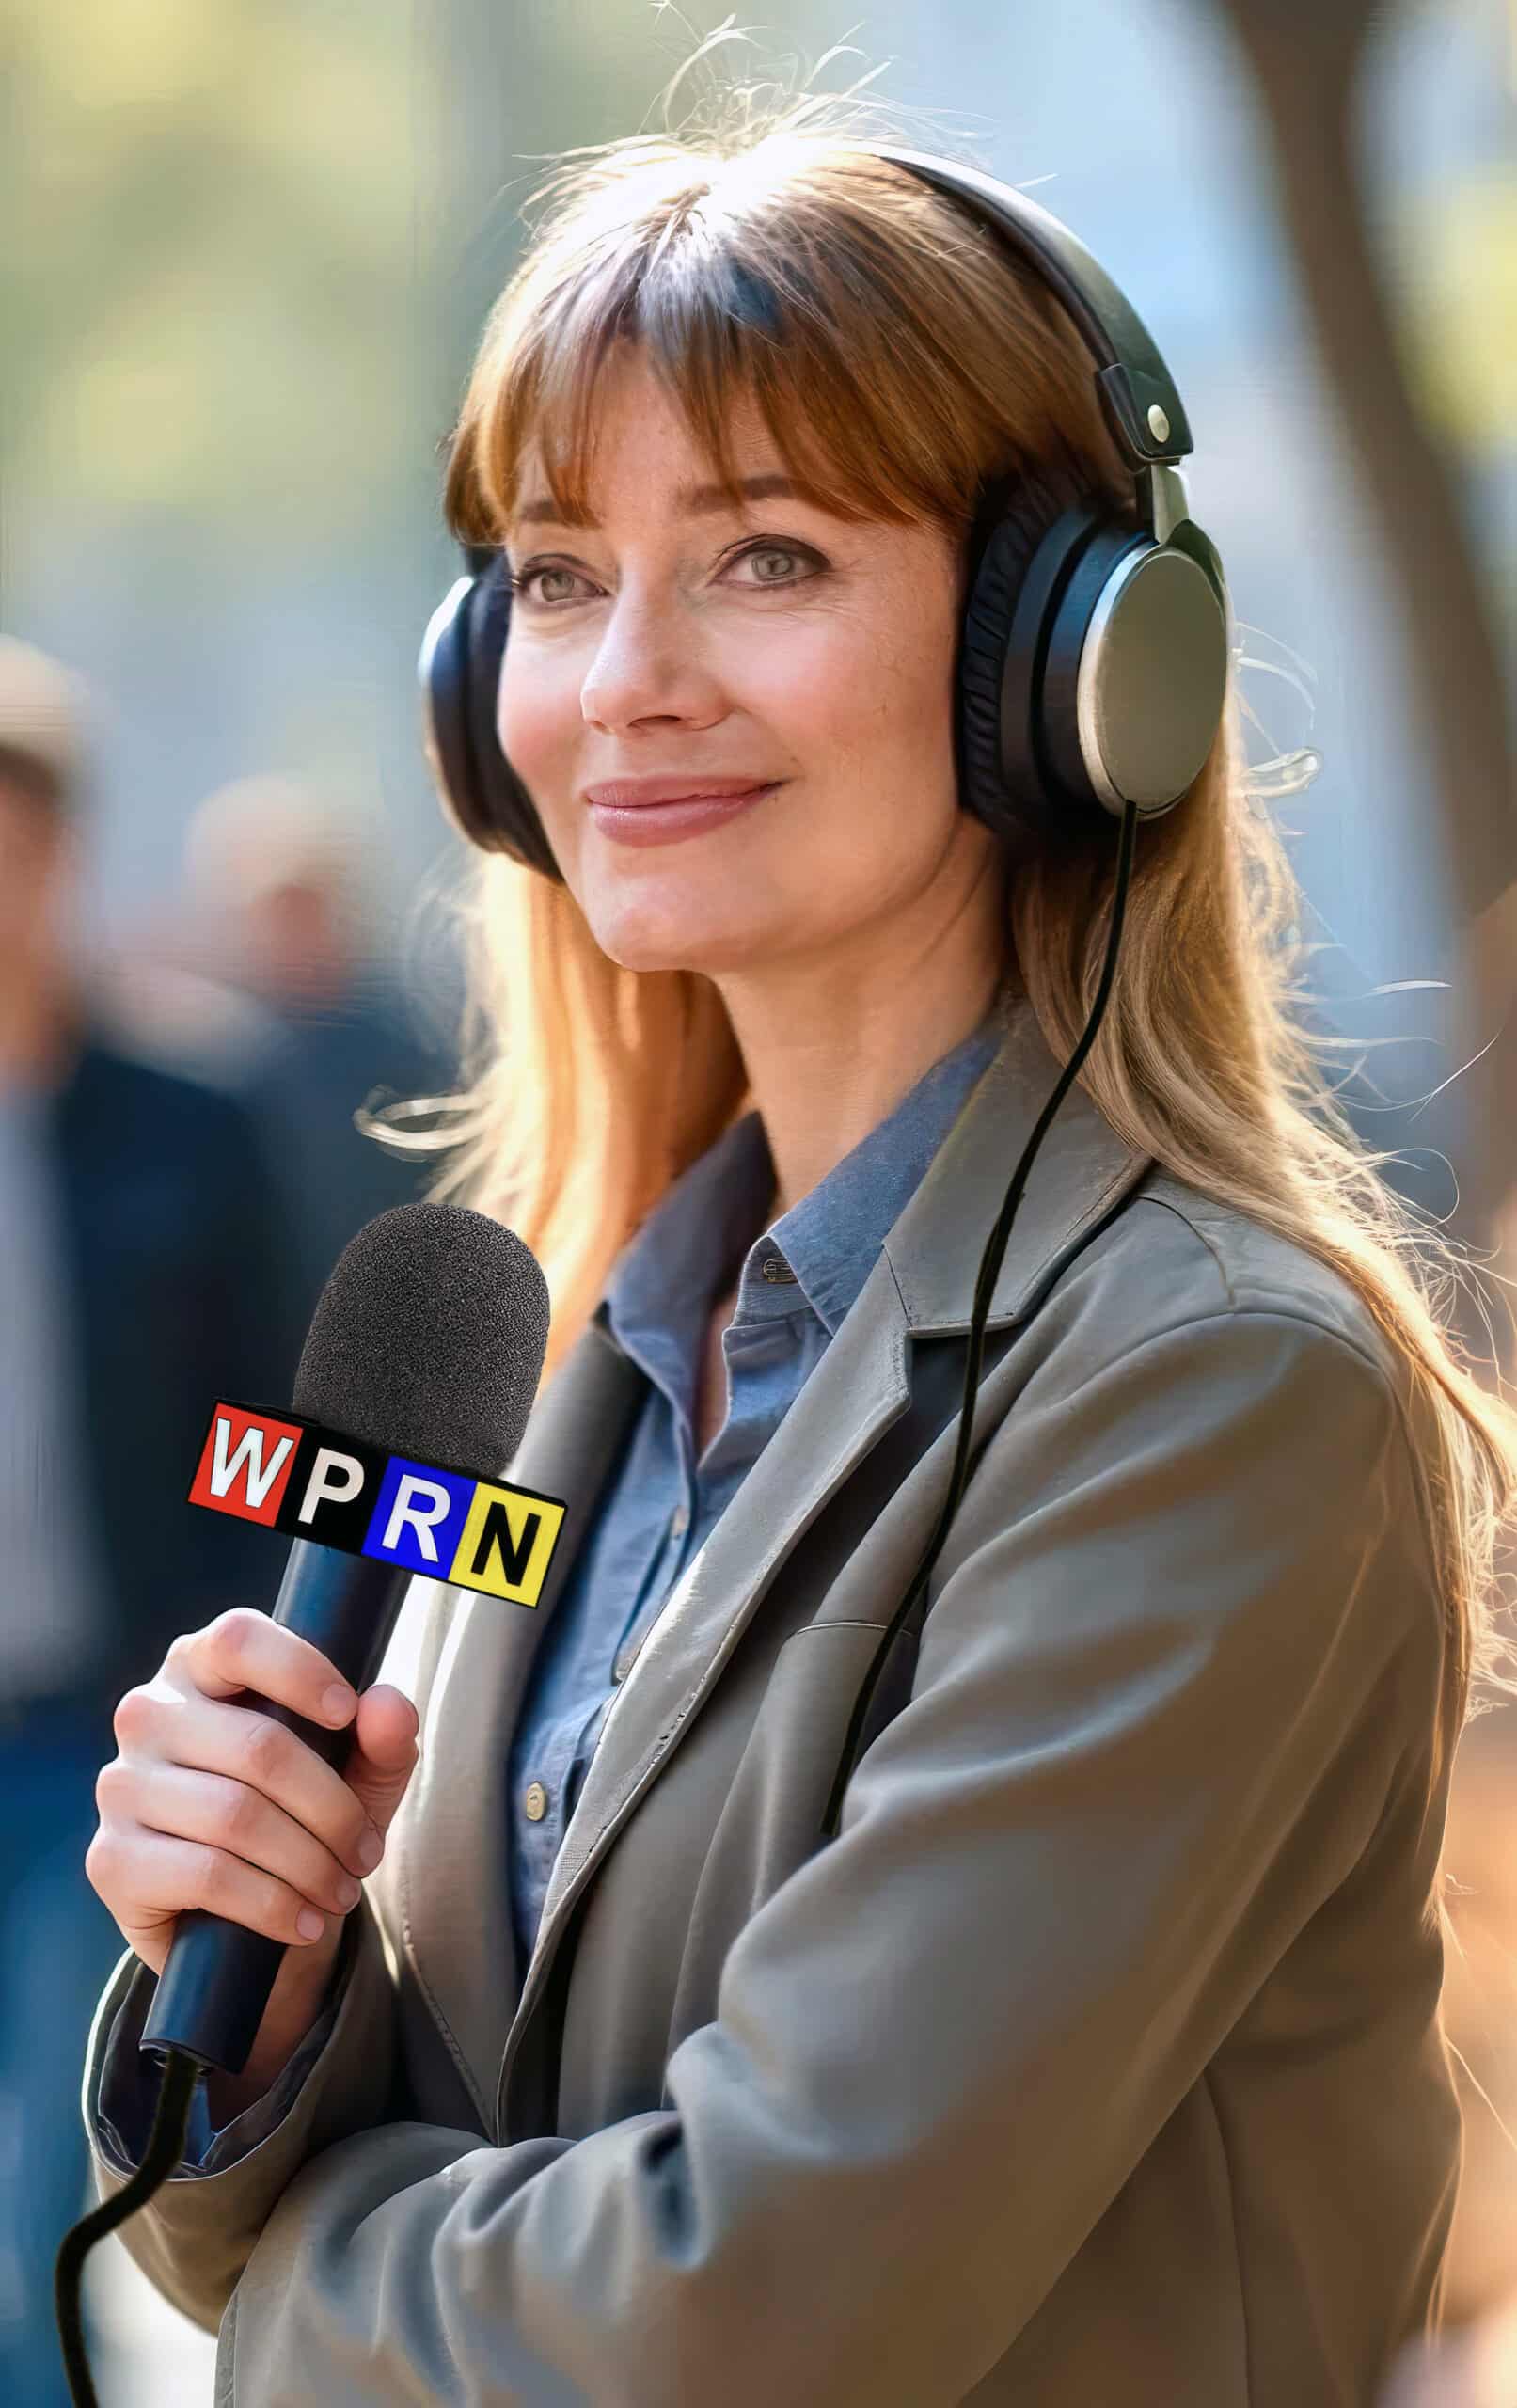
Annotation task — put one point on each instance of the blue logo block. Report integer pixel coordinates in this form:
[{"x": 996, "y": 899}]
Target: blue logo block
[{"x": 419, "y": 1516}]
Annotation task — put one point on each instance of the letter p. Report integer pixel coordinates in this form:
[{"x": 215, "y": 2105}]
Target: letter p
[{"x": 335, "y": 1479}]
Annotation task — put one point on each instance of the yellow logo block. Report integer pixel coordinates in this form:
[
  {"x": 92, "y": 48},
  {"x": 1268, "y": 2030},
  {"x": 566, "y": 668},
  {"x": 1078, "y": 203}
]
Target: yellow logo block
[{"x": 507, "y": 1542}]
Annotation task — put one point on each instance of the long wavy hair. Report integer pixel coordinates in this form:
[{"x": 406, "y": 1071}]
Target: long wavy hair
[{"x": 902, "y": 361}]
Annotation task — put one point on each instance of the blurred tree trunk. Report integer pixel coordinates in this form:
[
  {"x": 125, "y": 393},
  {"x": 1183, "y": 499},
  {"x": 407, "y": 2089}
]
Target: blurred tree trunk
[{"x": 1306, "y": 56}]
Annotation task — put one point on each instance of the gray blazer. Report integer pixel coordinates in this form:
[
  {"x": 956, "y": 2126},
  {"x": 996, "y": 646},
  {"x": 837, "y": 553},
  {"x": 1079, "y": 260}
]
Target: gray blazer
[{"x": 1097, "y": 2059}]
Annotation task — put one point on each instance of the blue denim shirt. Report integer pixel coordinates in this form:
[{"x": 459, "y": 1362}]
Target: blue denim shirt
[{"x": 798, "y": 1276}]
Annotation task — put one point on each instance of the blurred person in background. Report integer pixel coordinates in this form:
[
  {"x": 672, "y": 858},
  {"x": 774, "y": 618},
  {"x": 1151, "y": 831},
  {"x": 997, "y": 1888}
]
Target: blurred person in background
[
  {"x": 144, "y": 1271},
  {"x": 280, "y": 911}
]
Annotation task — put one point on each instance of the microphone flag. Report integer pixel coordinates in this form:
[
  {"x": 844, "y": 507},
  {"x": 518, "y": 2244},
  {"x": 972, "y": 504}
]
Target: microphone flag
[{"x": 309, "y": 1481}]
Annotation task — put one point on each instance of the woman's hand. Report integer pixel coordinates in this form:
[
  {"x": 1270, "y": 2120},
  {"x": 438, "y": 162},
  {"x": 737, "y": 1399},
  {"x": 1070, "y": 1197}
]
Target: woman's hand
[{"x": 210, "y": 1803}]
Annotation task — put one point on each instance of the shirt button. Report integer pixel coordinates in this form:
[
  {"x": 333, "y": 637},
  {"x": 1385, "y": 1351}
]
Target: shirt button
[
  {"x": 535, "y": 1801},
  {"x": 679, "y": 1521}
]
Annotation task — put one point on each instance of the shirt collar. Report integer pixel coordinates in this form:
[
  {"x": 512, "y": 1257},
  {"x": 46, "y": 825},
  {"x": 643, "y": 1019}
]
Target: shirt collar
[{"x": 819, "y": 1253}]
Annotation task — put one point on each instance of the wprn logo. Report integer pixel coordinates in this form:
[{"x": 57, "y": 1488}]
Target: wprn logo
[{"x": 313, "y": 1482}]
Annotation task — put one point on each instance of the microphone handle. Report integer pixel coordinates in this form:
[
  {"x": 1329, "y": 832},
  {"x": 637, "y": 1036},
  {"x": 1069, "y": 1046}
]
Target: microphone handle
[{"x": 218, "y": 1976}]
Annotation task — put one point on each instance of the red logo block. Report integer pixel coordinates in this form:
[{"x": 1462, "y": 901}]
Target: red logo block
[{"x": 246, "y": 1463}]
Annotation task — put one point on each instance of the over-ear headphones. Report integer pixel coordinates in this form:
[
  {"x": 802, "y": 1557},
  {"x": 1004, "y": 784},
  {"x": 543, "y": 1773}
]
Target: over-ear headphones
[
  {"x": 1091, "y": 678},
  {"x": 1093, "y": 655}
]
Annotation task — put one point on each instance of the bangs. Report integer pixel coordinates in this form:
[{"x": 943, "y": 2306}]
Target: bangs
[{"x": 800, "y": 309}]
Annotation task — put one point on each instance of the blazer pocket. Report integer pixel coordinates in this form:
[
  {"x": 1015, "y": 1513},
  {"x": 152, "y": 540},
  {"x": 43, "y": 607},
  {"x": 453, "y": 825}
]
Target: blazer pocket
[{"x": 771, "y": 1820}]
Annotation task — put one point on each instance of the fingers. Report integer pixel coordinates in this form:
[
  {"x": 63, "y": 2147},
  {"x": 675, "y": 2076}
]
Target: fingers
[
  {"x": 156, "y": 1877},
  {"x": 386, "y": 1727},
  {"x": 213, "y": 1803},
  {"x": 160, "y": 1727},
  {"x": 242, "y": 1649},
  {"x": 172, "y": 1800},
  {"x": 383, "y": 1755}
]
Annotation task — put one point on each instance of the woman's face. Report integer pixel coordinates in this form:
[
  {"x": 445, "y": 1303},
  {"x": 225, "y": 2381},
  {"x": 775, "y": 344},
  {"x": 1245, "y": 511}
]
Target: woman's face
[{"x": 776, "y": 644}]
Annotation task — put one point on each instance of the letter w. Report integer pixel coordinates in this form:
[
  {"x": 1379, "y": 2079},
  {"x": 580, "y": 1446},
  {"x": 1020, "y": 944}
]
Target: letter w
[{"x": 261, "y": 1479}]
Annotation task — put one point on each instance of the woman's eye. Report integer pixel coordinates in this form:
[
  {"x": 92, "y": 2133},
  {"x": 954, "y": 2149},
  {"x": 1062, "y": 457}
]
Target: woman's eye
[
  {"x": 528, "y": 585},
  {"x": 523, "y": 585},
  {"x": 765, "y": 553}
]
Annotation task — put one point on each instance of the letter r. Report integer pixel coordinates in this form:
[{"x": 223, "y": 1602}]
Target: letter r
[{"x": 423, "y": 1504}]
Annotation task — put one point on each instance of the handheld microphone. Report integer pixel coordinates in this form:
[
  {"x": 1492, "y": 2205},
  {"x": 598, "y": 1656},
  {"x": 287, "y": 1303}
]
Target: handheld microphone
[{"x": 428, "y": 1340}]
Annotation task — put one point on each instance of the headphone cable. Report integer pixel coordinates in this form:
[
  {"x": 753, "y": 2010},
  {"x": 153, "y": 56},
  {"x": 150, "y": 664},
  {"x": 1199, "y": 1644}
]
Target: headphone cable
[{"x": 983, "y": 1289}]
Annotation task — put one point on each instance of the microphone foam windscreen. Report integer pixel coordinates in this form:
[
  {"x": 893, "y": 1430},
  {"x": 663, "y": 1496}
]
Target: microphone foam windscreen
[{"x": 428, "y": 1338}]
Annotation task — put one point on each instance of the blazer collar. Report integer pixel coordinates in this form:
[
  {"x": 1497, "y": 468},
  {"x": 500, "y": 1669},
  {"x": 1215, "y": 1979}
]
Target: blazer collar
[
  {"x": 924, "y": 1282},
  {"x": 1082, "y": 1167}
]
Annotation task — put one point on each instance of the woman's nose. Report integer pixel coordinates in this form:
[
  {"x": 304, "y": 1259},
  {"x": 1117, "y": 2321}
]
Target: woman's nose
[{"x": 649, "y": 664}]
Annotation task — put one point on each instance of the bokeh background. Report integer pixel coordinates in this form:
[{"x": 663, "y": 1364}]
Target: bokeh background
[{"x": 248, "y": 248}]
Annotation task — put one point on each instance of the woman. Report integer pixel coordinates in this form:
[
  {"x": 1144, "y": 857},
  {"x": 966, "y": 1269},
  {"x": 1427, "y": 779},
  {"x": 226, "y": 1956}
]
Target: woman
[{"x": 1099, "y": 2055}]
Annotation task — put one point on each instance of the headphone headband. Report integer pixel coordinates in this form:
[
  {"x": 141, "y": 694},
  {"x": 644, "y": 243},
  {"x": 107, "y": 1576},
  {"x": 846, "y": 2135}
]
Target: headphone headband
[{"x": 1142, "y": 407}]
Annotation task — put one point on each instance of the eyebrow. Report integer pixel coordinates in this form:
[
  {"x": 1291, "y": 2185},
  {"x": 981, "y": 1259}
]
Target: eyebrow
[{"x": 697, "y": 501}]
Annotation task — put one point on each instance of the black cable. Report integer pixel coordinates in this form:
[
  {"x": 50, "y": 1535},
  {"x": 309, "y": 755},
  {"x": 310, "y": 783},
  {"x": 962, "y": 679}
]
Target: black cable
[
  {"x": 984, "y": 1290},
  {"x": 166, "y": 2147}
]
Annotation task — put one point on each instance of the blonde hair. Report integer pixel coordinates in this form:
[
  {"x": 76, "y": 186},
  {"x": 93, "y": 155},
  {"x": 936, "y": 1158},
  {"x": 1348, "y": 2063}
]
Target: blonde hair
[{"x": 901, "y": 360}]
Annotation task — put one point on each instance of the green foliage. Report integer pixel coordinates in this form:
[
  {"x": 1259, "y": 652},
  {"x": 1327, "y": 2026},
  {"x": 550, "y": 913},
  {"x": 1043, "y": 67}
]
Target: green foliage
[
  {"x": 206, "y": 286},
  {"x": 1458, "y": 250}
]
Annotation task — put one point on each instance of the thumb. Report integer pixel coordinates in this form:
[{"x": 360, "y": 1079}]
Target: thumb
[{"x": 383, "y": 1755}]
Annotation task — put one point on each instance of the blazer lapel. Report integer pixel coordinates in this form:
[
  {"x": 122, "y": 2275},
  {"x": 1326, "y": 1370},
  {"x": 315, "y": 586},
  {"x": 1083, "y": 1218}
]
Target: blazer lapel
[
  {"x": 468, "y": 1949},
  {"x": 923, "y": 1281}
]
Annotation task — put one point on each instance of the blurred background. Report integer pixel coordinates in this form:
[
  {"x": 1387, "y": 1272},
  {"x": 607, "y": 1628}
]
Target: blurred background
[{"x": 248, "y": 248}]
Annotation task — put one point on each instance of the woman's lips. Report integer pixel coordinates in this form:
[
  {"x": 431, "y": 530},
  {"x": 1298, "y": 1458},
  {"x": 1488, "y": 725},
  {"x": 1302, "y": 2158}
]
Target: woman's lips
[{"x": 665, "y": 823}]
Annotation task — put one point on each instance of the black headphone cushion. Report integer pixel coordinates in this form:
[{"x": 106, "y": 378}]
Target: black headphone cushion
[
  {"x": 1021, "y": 548},
  {"x": 506, "y": 818}
]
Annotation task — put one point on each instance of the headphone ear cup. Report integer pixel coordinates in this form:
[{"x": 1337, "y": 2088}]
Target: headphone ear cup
[
  {"x": 1135, "y": 677},
  {"x": 1093, "y": 673},
  {"x": 459, "y": 669},
  {"x": 1023, "y": 558}
]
